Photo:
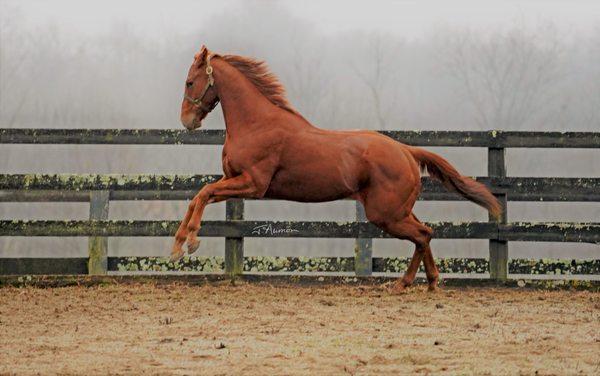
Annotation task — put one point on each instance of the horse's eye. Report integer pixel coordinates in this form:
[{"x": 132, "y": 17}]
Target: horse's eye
[{"x": 189, "y": 84}]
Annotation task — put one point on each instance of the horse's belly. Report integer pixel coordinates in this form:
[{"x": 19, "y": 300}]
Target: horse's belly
[{"x": 312, "y": 187}]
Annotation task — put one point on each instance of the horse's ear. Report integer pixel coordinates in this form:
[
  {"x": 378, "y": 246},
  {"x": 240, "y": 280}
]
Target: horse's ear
[{"x": 201, "y": 56}]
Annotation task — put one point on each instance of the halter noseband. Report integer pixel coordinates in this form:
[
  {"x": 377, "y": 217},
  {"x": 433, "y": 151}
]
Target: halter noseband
[{"x": 211, "y": 82}]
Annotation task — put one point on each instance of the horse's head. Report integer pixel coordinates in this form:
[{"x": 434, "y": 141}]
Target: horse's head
[{"x": 200, "y": 96}]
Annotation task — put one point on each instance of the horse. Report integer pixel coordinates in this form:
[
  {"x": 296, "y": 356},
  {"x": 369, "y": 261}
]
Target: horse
[{"x": 271, "y": 151}]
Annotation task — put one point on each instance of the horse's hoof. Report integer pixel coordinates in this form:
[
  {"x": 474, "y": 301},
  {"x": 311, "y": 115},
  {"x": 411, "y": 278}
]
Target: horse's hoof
[
  {"x": 176, "y": 255},
  {"x": 192, "y": 245},
  {"x": 397, "y": 288},
  {"x": 433, "y": 288}
]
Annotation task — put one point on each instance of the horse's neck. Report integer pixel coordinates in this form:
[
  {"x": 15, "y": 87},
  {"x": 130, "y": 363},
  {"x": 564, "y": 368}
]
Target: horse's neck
[{"x": 242, "y": 103}]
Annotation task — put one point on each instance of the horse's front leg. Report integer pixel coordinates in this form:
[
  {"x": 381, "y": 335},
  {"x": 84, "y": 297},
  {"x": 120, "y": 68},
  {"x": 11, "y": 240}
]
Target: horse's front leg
[
  {"x": 182, "y": 232},
  {"x": 241, "y": 186}
]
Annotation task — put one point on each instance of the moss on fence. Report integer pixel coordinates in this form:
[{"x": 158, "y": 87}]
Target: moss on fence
[
  {"x": 346, "y": 264},
  {"x": 251, "y": 264},
  {"x": 553, "y": 266},
  {"x": 115, "y": 182}
]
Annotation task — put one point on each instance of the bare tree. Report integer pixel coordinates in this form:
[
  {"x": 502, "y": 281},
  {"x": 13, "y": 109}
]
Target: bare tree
[
  {"x": 507, "y": 76},
  {"x": 590, "y": 82},
  {"x": 15, "y": 65},
  {"x": 307, "y": 78},
  {"x": 374, "y": 65}
]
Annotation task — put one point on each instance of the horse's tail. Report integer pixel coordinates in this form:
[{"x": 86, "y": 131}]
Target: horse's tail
[{"x": 442, "y": 170}]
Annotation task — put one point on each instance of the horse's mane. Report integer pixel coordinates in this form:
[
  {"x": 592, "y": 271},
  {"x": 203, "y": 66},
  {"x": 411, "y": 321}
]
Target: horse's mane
[{"x": 265, "y": 81}]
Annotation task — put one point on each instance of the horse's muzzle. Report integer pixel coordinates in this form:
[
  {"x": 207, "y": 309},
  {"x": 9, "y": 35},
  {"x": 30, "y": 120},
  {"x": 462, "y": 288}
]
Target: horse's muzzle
[{"x": 191, "y": 121}]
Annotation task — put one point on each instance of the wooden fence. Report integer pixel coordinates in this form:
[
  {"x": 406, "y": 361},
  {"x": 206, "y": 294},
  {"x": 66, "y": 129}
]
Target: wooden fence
[{"x": 99, "y": 190}]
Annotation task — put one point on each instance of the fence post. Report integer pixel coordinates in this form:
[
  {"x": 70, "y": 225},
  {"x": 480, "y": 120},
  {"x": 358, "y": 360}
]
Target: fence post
[
  {"x": 98, "y": 245},
  {"x": 498, "y": 248},
  {"x": 234, "y": 247},
  {"x": 363, "y": 247}
]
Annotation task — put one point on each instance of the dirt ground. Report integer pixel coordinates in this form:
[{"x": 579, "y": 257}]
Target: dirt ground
[{"x": 288, "y": 329}]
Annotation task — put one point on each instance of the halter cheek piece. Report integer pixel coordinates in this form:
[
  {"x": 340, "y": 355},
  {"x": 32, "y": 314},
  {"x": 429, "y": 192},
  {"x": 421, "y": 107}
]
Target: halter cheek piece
[{"x": 211, "y": 82}]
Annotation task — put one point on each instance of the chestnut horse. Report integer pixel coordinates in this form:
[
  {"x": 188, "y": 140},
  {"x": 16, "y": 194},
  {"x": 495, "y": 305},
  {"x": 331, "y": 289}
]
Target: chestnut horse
[{"x": 271, "y": 151}]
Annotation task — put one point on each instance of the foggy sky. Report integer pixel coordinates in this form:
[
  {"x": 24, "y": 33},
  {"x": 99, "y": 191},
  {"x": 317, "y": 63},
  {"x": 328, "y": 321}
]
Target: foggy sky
[{"x": 409, "y": 19}]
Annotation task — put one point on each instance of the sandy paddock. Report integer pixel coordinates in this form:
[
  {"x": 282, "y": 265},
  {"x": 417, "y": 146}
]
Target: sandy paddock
[{"x": 290, "y": 329}]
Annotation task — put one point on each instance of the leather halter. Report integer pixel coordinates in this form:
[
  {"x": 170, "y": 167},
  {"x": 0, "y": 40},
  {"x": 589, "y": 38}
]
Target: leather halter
[{"x": 209, "y": 83}]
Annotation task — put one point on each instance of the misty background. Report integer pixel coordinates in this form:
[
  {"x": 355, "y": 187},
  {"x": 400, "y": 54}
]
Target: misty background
[{"x": 397, "y": 65}]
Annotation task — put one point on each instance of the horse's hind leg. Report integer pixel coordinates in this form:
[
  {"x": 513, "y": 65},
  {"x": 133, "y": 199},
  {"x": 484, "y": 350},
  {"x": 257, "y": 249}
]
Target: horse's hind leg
[
  {"x": 410, "y": 228},
  {"x": 423, "y": 252}
]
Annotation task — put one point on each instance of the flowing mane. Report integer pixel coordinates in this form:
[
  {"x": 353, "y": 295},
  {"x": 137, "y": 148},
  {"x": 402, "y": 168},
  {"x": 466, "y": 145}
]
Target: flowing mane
[{"x": 265, "y": 81}]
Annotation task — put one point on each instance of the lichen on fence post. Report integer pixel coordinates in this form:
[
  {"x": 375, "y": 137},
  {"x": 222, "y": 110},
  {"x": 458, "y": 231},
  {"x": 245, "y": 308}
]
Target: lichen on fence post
[
  {"x": 363, "y": 247},
  {"x": 98, "y": 245},
  {"x": 234, "y": 247},
  {"x": 498, "y": 248}
]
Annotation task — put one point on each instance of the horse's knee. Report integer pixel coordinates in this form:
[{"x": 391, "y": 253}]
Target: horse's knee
[
  {"x": 423, "y": 236},
  {"x": 419, "y": 249},
  {"x": 180, "y": 236},
  {"x": 426, "y": 238},
  {"x": 192, "y": 205},
  {"x": 192, "y": 227},
  {"x": 408, "y": 229}
]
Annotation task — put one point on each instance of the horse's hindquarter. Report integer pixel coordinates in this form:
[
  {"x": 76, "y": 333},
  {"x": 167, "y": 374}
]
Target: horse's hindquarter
[{"x": 319, "y": 165}]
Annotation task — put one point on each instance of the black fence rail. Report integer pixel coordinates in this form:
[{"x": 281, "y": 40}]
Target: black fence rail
[
  {"x": 76, "y": 187},
  {"x": 487, "y": 139},
  {"x": 99, "y": 190}
]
